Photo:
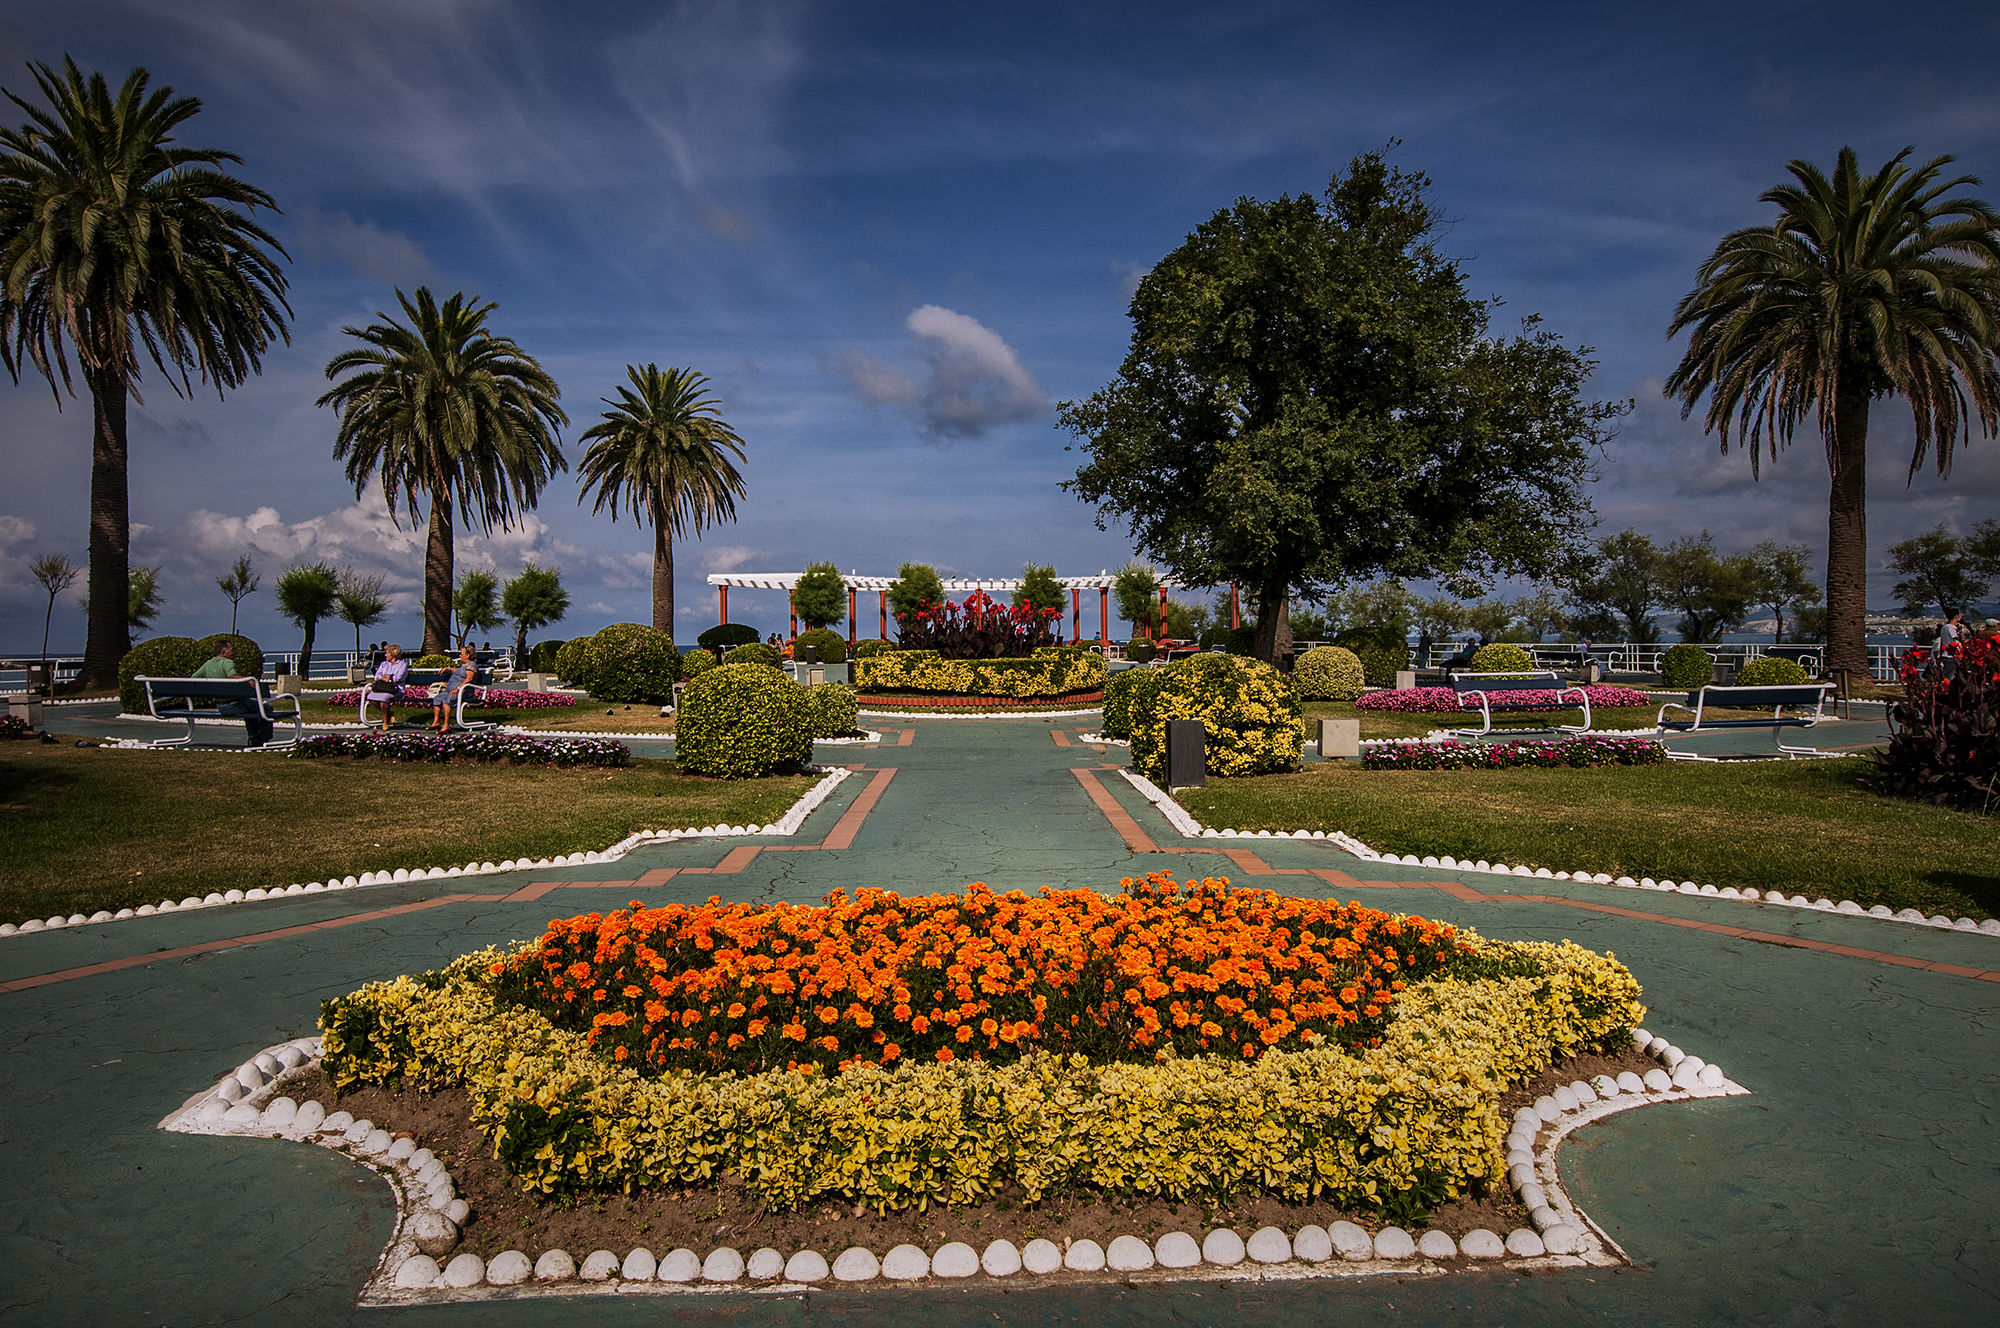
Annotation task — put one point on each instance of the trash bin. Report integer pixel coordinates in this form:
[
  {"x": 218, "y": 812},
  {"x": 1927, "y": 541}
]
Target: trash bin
[
  {"x": 39, "y": 677},
  {"x": 1187, "y": 755}
]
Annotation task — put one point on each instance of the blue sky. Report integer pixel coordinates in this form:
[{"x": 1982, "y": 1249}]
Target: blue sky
[{"x": 894, "y": 235}]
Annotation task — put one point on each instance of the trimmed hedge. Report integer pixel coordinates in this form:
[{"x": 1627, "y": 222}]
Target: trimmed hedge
[
  {"x": 1248, "y": 709},
  {"x": 1050, "y": 671},
  {"x": 543, "y": 658},
  {"x": 633, "y": 662},
  {"x": 836, "y": 710},
  {"x": 871, "y": 647},
  {"x": 485, "y": 747},
  {"x": 695, "y": 663},
  {"x": 433, "y": 661},
  {"x": 1772, "y": 671},
  {"x": 724, "y": 635},
  {"x": 573, "y": 663},
  {"x": 158, "y": 657},
  {"x": 1686, "y": 665},
  {"x": 831, "y": 645},
  {"x": 741, "y": 721},
  {"x": 755, "y": 652},
  {"x": 1502, "y": 657},
  {"x": 1381, "y": 663},
  {"x": 1124, "y": 693},
  {"x": 1330, "y": 673}
]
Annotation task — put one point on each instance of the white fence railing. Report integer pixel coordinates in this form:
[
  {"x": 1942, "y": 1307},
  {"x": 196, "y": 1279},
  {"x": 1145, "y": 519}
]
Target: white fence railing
[{"x": 1644, "y": 658}]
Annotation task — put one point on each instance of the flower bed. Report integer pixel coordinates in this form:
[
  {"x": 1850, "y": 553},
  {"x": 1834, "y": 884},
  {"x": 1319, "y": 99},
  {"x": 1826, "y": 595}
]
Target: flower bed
[
  {"x": 514, "y": 748},
  {"x": 1573, "y": 753},
  {"x": 493, "y": 697},
  {"x": 1395, "y": 1127},
  {"x": 1445, "y": 701},
  {"x": 1049, "y": 673},
  {"x": 14, "y": 726},
  {"x": 919, "y": 703}
]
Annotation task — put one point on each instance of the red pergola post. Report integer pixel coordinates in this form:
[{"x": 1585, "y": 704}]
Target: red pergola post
[
  {"x": 1163, "y": 613},
  {"x": 1076, "y": 613},
  {"x": 722, "y": 594},
  {"x": 1235, "y": 618},
  {"x": 1104, "y": 614},
  {"x": 850, "y": 617},
  {"x": 793, "y": 604},
  {"x": 883, "y": 595}
]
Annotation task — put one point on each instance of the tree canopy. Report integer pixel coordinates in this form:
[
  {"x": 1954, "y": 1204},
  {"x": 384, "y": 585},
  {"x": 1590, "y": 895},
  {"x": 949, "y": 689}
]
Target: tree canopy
[
  {"x": 533, "y": 599},
  {"x": 1310, "y": 398},
  {"x": 820, "y": 597},
  {"x": 307, "y": 592}
]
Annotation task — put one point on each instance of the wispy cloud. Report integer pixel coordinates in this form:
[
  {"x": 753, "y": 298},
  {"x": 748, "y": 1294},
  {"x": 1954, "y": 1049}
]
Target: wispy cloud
[{"x": 967, "y": 380}]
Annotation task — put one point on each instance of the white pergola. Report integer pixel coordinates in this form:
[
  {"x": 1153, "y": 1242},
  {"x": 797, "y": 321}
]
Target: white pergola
[{"x": 856, "y": 583}]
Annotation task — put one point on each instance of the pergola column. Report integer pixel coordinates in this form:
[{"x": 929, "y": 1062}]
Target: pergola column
[
  {"x": 850, "y": 617},
  {"x": 1076, "y": 613},
  {"x": 1235, "y": 618},
  {"x": 792, "y": 603},
  {"x": 1163, "y": 613},
  {"x": 1104, "y": 614},
  {"x": 722, "y": 594},
  {"x": 884, "y": 597}
]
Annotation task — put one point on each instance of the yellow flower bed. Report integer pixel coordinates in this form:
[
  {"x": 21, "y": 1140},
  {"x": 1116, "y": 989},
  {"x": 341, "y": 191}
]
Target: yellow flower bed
[
  {"x": 1045, "y": 673},
  {"x": 1399, "y": 1128}
]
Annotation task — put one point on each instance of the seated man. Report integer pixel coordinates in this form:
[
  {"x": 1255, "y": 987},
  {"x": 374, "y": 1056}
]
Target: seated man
[{"x": 257, "y": 728}]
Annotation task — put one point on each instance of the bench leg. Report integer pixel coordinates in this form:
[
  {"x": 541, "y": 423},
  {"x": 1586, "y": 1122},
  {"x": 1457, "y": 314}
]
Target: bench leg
[{"x": 181, "y": 741}]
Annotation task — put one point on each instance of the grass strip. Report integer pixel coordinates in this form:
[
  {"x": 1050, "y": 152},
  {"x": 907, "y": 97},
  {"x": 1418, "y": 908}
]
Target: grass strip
[
  {"x": 1806, "y": 827},
  {"x": 101, "y": 828}
]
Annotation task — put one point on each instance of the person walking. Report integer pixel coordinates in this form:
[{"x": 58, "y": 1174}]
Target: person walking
[{"x": 1951, "y": 629}]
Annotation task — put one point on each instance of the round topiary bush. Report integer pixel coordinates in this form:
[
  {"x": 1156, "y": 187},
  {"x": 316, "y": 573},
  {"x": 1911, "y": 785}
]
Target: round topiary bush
[
  {"x": 432, "y": 662},
  {"x": 870, "y": 648},
  {"x": 543, "y": 658},
  {"x": 695, "y": 663},
  {"x": 573, "y": 662},
  {"x": 1502, "y": 657},
  {"x": 1380, "y": 663},
  {"x": 830, "y": 645},
  {"x": 1329, "y": 673},
  {"x": 742, "y": 721},
  {"x": 633, "y": 662},
  {"x": 160, "y": 657},
  {"x": 1686, "y": 665},
  {"x": 1249, "y": 712},
  {"x": 755, "y": 652},
  {"x": 1771, "y": 671},
  {"x": 836, "y": 709},
  {"x": 724, "y": 635},
  {"x": 1123, "y": 693}
]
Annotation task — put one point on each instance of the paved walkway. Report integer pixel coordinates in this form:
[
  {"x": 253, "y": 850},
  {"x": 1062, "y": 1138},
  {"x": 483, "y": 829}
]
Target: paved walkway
[{"x": 1854, "y": 1186}]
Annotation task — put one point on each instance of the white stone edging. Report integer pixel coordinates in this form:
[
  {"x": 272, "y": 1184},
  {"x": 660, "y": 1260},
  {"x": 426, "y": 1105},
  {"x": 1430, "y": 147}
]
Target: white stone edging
[{"x": 788, "y": 824}]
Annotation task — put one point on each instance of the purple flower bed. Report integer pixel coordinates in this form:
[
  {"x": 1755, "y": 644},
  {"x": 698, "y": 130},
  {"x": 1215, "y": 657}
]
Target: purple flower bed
[
  {"x": 1520, "y": 754},
  {"x": 438, "y": 749},
  {"x": 495, "y": 697},
  {"x": 1444, "y": 701}
]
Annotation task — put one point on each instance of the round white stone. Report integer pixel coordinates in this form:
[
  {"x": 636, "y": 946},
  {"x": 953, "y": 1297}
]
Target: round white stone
[
  {"x": 723, "y": 1264},
  {"x": 241, "y": 1114},
  {"x": 1177, "y": 1249},
  {"x": 1479, "y": 1243},
  {"x": 419, "y": 1270},
  {"x": 1084, "y": 1256},
  {"x": 290, "y": 1057},
  {"x": 1351, "y": 1242},
  {"x": 1312, "y": 1244},
  {"x": 280, "y": 1112},
  {"x": 1222, "y": 1247},
  {"x": 376, "y": 1142},
  {"x": 1585, "y": 1094},
  {"x": 1529, "y": 1117},
  {"x": 465, "y": 1270},
  {"x": 509, "y": 1268},
  {"x": 458, "y": 1210},
  {"x": 1532, "y": 1195},
  {"x": 1546, "y": 1108},
  {"x": 420, "y": 1159},
  {"x": 679, "y": 1265},
  {"x": 639, "y": 1266},
  {"x": 400, "y": 1149},
  {"x": 1711, "y": 1076},
  {"x": 310, "y": 1118},
  {"x": 1562, "y": 1239},
  {"x": 1129, "y": 1254},
  {"x": 251, "y": 1076},
  {"x": 598, "y": 1266},
  {"x": 806, "y": 1266},
  {"x": 856, "y": 1265},
  {"x": 905, "y": 1263},
  {"x": 1519, "y": 1174},
  {"x": 357, "y": 1130},
  {"x": 1658, "y": 1081},
  {"x": 955, "y": 1259},
  {"x": 1606, "y": 1086},
  {"x": 1518, "y": 1156},
  {"x": 1437, "y": 1245},
  {"x": 1001, "y": 1259},
  {"x": 1641, "y": 1038},
  {"x": 1268, "y": 1245},
  {"x": 433, "y": 1232},
  {"x": 555, "y": 1266},
  {"x": 1543, "y": 1217},
  {"x": 765, "y": 1264},
  {"x": 1041, "y": 1257},
  {"x": 1672, "y": 1056},
  {"x": 1394, "y": 1243},
  {"x": 1565, "y": 1098},
  {"x": 1525, "y": 1244},
  {"x": 1628, "y": 1082},
  {"x": 1688, "y": 1073}
]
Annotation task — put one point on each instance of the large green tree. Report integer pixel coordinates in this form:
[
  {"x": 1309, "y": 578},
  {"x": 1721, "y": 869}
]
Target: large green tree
[
  {"x": 475, "y": 603},
  {"x": 534, "y": 598},
  {"x": 1938, "y": 568},
  {"x": 663, "y": 452},
  {"x": 1615, "y": 589},
  {"x": 1863, "y": 286},
  {"x": 446, "y": 409},
  {"x": 1784, "y": 582},
  {"x": 1311, "y": 398},
  {"x": 1714, "y": 592},
  {"x": 114, "y": 237}
]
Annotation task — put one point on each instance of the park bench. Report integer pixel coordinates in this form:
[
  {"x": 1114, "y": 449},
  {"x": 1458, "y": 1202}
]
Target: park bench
[
  {"x": 481, "y": 680},
  {"x": 1486, "y": 686},
  {"x": 1699, "y": 703},
  {"x": 180, "y": 698}
]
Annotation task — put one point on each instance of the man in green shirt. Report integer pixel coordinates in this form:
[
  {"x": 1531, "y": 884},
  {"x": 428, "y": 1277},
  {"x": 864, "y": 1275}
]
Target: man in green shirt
[{"x": 257, "y": 728}]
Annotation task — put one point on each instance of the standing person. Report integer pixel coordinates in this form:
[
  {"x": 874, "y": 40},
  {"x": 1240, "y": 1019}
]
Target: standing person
[
  {"x": 446, "y": 696},
  {"x": 385, "y": 688},
  {"x": 1951, "y": 629},
  {"x": 374, "y": 655},
  {"x": 255, "y": 727}
]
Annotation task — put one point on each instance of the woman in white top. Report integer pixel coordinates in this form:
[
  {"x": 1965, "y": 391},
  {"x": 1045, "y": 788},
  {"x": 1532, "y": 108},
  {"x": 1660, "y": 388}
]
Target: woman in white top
[{"x": 386, "y": 687}]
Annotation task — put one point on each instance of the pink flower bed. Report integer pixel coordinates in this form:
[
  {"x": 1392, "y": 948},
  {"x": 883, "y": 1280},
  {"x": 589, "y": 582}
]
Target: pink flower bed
[
  {"x": 1444, "y": 701},
  {"x": 352, "y": 697},
  {"x": 493, "y": 696}
]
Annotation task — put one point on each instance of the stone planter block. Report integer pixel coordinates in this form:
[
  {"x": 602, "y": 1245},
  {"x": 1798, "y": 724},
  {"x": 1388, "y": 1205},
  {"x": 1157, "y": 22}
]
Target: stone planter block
[{"x": 1339, "y": 738}]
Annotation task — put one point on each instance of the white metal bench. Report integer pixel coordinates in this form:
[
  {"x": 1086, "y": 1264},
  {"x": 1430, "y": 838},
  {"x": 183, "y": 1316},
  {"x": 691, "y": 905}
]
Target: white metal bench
[
  {"x": 1779, "y": 699},
  {"x": 177, "y": 698},
  {"x": 481, "y": 680},
  {"x": 1486, "y": 686}
]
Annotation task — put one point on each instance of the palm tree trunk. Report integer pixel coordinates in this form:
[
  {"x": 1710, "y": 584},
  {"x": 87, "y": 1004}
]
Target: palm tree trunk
[
  {"x": 437, "y": 577},
  {"x": 110, "y": 634},
  {"x": 1847, "y": 536},
  {"x": 663, "y": 573}
]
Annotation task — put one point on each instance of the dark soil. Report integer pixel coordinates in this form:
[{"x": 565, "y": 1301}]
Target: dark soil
[{"x": 700, "y": 1219}]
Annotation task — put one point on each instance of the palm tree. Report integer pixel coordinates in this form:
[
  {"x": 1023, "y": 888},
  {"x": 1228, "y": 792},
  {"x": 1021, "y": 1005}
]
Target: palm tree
[
  {"x": 111, "y": 231},
  {"x": 1864, "y": 286},
  {"x": 663, "y": 449},
  {"x": 447, "y": 409}
]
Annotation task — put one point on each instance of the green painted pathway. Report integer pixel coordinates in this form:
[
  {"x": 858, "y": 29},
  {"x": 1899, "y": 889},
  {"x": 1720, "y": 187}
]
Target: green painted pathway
[{"x": 1855, "y": 1186}]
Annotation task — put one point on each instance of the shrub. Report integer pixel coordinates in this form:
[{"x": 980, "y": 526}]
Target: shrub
[
  {"x": 1249, "y": 713},
  {"x": 1771, "y": 671},
  {"x": 1124, "y": 693},
  {"x": 1380, "y": 663},
  {"x": 1329, "y": 673},
  {"x": 741, "y": 721},
  {"x": 543, "y": 658},
  {"x": 836, "y": 709},
  {"x": 1686, "y": 665},
  {"x": 755, "y": 652},
  {"x": 1501, "y": 657},
  {"x": 1141, "y": 651},
  {"x": 433, "y": 661},
  {"x": 249, "y": 655},
  {"x": 1048, "y": 672},
  {"x": 830, "y": 645},
  {"x": 1944, "y": 739},
  {"x": 160, "y": 657},
  {"x": 869, "y": 649},
  {"x": 695, "y": 663},
  {"x": 724, "y": 635},
  {"x": 633, "y": 662},
  {"x": 573, "y": 663},
  {"x": 1235, "y": 640}
]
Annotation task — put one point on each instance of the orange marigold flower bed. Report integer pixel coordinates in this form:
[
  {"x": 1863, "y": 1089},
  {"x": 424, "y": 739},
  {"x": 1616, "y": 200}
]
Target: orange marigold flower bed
[{"x": 1199, "y": 968}]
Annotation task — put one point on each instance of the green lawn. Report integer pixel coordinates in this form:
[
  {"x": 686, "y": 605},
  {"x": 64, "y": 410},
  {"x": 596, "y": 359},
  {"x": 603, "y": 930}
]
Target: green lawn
[
  {"x": 1807, "y": 827},
  {"x": 101, "y": 828}
]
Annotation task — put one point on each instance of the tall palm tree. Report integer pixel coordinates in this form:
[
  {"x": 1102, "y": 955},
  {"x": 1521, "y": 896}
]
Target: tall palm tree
[
  {"x": 1864, "y": 286},
  {"x": 445, "y": 408},
  {"x": 111, "y": 233},
  {"x": 663, "y": 450}
]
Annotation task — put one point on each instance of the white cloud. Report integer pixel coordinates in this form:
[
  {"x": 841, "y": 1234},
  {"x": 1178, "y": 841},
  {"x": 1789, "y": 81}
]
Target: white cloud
[
  {"x": 386, "y": 255},
  {"x": 724, "y": 558},
  {"x": 970, "y": 379},
  {"x": 15, "y": 530}
]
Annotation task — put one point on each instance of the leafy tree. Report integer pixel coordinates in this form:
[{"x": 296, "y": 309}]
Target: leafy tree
[
  {"x": 1714, "y": 594},
  {"x": 1938, "y": 568},
  {"x": 1618, "y": 589},
  {"x": 916, "y": 585},
  {"x": 1136, "y": 592},
  {"x": 57, "y": 574},
  {"x": 1490, "y": 619},
  {"x": 1308, "y": 624},
  {"x": 1380, "y": 612},
  {"x": 113, "y": 233},
  {"x": 1863, "y": 286},
  {"x": 143, "y": 600},
  {"x": 1187, "y": 622},
  {"x": 663, "y": 450},
  {"x": 1311, "y": 398},
  {"x": 359, "y": 600},
  {"x": 1540, "y": 614},
  {"x": 1984, "y": 545},
  {"x": 534, "y": 599},
  {"x": 446, "y": 409},
  {"x": 239, "y": 585},
  {"x": 820, "y": 597},
  {"x": 1783, "y": 580},
  {"x": 476, "y": 604},
  {"x": 1040, "y": 589},
  {"x": 307, "y": 592}
]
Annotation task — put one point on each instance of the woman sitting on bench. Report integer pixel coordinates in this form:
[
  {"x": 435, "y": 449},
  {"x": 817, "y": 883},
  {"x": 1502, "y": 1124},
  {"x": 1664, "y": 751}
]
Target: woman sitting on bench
[
  {"x": 386, "y": 687},
  {"x": 446, "y": 696}
]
